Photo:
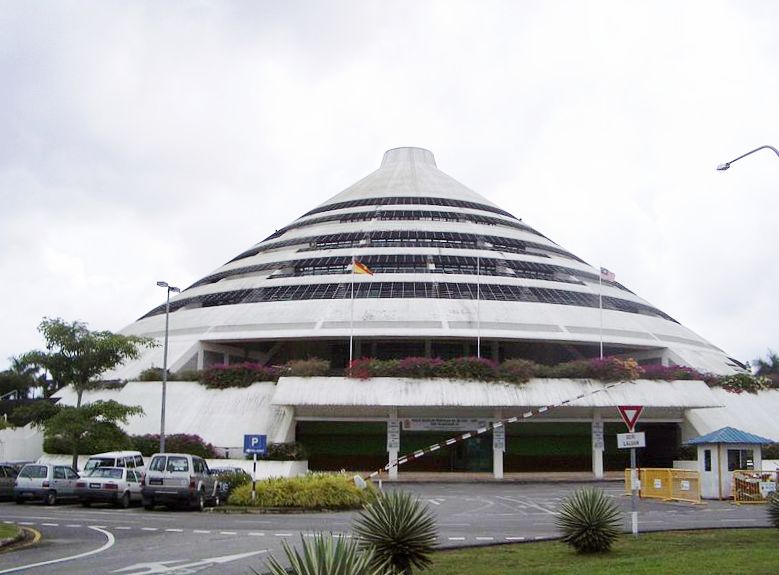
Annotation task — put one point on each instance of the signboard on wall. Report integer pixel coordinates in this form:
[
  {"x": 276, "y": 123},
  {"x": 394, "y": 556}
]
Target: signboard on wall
[
  {"x": 443, "y": 424},
  {"x": 627, "y": 440}
]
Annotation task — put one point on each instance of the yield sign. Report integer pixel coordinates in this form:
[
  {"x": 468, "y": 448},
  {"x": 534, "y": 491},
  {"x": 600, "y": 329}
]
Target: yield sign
[{"x": 630, "y": 414}]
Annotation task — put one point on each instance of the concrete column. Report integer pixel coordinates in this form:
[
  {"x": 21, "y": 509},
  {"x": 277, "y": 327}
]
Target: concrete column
[
  {"x": 428, "y": 348},
  {"x": 393, "y": 440},
  {"x": 498, "y": 446},
  {"x": 597, "y": 444},
  {"x": 200, "y": 358}
]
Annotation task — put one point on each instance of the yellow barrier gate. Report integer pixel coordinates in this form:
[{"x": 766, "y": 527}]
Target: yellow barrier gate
[
  {"x": 667, "y": 484},
  {"x": 750, "y": 486}
]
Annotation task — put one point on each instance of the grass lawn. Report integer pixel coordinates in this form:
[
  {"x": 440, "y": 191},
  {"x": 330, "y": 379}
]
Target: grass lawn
[
  {"x": 8, "y": 531},
  {"x": 714, "y": 552}
]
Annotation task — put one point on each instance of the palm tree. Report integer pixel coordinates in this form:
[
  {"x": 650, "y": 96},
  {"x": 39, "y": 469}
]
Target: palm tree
[
  {"x": 398, "y": 530},
  {"x": 769, "y": 368}
]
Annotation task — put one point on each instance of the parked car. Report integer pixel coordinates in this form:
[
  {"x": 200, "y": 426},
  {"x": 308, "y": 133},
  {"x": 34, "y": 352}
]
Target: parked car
[
  {"x": 179, "y": 479},
  {"x": 117, "y": 485},
  {"x": 46, "y": 482},
  {"x": 229, "y": 478},
  {"x": 8, "y": 475},
  {"x": 129, "y": 459}
]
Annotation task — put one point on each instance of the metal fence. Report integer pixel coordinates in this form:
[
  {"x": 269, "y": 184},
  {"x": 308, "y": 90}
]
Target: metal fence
[
  {"x": 750, "y": 486},
  {"x": 667, "y": 484}
]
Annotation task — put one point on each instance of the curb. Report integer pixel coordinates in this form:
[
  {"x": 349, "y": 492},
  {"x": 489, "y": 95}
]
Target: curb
[{"x": 25, "y": 538}]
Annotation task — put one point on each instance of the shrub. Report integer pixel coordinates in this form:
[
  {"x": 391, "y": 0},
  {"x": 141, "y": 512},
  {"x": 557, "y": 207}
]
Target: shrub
[
  {"x": 177, "y": 443},
  {"x": 569, "y": 370},
  {"x": 614, "y": 369},
  {"x": 518, "y": 370},
  {"x": 771, "y": 451},
  {"x": 221, "y": 376},
  {"x": 152, "y": 374},
  {"x": 419, "y": 367},
  {"x": 311, "y": 367},
  {"x": 324, "y": 554},
  {"x": 292, "y": 451},
  {"x": 477, "y": 368},
  {"x": 189, "y": 375},
  {"x": 398, "y": 530},
  {"x": 589, "y": 520},
  {"x": 670, "y": 372},
  {"x": 740, "y": 382},
  {"x": 310, "y": 491},
  {"x": 773, "y": 509}
]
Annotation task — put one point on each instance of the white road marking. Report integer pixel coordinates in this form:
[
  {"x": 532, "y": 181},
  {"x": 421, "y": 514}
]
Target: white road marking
[
  {"x": 109, "y": 543},
  {"x": 456, "y": 538},
  {"x": 50, "y": 524},
  {"x": 283, "y": 534},
  {"x": 73, "y": 525},
  {"x": 123, "y": 528},
  {"x": 175, "y": 530},
  {"x": 201, "y": 531},
  {"x": 149, "y": 529},
  {"x": 255, "y": 534},
  {"x": 228, "y": 533},
  {"x": 485, "y": 539},
  {"x": 434, "y": 502},
  {"x": 27, "y": 523},
  {"x": 515, "y": 538},
  {"x": 99, "y": 526},
  {"x": 176, "y": 565}
]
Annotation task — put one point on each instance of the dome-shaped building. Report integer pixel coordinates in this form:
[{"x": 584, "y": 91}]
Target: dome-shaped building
[
  {"x": 452, "y": 274},
  {"x": 408, "y": 262}
]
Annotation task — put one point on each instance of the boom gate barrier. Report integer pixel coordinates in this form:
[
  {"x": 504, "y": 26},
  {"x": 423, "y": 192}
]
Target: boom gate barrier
[
  {"x": 750, "y": 486},
  {"x": 667, "y": 484}
]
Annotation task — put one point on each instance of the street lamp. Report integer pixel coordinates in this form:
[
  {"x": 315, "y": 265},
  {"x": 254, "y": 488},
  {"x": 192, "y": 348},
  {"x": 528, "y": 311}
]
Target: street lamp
[
  {"x": 169, "y": 289},
  {"x": 726, "y": 165}
]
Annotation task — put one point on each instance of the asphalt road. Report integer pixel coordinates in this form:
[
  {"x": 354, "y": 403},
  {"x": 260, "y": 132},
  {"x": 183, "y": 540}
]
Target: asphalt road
[{"x": 98, "y": 540}]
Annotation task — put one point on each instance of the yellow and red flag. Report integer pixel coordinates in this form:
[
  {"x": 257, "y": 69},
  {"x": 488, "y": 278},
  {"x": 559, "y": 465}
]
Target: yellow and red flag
[{"x": 360, "y": 268}]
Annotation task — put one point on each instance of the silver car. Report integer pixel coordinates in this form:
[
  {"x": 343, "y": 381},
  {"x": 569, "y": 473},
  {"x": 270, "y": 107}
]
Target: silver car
[
  {"x": 116, "y": 485},
  {"x": 179, "y": 479},
  {"x": 45, "y": 482}
]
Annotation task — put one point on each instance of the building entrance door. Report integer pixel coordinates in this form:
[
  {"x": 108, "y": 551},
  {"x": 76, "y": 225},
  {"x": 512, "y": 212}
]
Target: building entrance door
[{"x": 473, "y": 454}]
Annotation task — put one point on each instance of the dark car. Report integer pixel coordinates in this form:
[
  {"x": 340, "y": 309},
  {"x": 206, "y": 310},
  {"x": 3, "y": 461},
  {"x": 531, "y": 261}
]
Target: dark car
[
  {"x": 228, "y": 478},
  {"x": 8, "y": 475}
]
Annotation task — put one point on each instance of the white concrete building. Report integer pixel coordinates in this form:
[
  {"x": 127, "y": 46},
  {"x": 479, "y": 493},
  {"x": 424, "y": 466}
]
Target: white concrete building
[{"x": 453, "y": 275}]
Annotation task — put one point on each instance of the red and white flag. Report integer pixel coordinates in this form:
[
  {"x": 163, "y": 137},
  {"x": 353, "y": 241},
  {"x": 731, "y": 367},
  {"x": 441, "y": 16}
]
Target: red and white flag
[{"x": 607, "y": 275}]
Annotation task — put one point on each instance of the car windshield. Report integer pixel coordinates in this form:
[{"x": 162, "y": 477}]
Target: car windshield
[
  {"x": 94, "y": 463},
  {"x": 112, "y": 472},
  {"x": 34, "y": 471}
]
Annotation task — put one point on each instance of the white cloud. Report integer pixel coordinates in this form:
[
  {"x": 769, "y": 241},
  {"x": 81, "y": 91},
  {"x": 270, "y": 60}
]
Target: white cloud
[{"x": 150, "y": 141}]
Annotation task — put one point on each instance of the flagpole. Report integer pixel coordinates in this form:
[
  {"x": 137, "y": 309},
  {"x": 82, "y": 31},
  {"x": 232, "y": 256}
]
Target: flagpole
[
  {"x": 600, "y": 309},
  {"x": 478, "y": 302},
  {"x": 351, "y": 319}
]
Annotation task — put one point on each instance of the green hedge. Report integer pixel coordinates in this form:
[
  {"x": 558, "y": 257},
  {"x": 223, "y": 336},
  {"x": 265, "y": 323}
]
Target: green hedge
[{"x": 311, "y": 491}]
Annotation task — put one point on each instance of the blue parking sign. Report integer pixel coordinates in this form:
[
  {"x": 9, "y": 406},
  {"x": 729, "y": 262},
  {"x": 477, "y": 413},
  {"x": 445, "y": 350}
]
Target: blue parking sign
[{"x": 255, "y": 444}]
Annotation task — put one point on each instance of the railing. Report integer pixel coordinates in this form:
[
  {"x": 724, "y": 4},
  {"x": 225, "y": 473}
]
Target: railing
[
  {"x": 667, "y": 484},
  {"x": 750, "y": 486}
]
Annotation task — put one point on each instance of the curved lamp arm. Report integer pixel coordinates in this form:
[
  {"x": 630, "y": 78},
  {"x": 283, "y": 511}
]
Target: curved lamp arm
[{"x": 726, "y": 165}]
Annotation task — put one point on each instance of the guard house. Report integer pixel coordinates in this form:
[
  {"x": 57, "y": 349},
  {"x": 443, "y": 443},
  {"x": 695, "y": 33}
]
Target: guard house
[{"x": 722, "y": 452}]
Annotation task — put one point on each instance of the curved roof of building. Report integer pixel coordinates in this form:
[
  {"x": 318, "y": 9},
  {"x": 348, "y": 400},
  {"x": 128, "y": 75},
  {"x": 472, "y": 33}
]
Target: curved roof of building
[{"x": 447, "y": 264}]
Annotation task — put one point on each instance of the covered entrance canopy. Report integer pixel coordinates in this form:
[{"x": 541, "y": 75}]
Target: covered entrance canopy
[{"x": 395, "y": 402}]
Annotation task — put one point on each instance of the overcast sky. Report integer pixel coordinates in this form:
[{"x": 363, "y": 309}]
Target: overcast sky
[{"x": 145, "y": 141}]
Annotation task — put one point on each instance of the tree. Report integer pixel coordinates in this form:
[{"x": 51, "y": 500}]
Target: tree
[
  {"x": 92, "y": 423},
  {"x": 77, "y": 356},
  {"x": 769, "y": 368}
]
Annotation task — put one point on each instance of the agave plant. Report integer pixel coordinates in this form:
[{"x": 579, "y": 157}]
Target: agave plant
[
  {"x": 590, "y": 521},
  {"x": 773, "y": 510},
  {"x": 398, "y": 530},
  {"x": 324, "y": 554}
]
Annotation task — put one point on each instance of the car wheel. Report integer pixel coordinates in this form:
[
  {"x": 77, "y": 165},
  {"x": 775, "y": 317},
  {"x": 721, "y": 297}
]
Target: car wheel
[
  {"x": 200, "y": 503},
  {"x": 148, "y": 504},
  {"x": 86, "y": 503},
  {"x": 51, "y": 498},
  {"x": 124, "y": 502},
  {"x": 19, "y": 500},
  {"x": 217, "y": 500}
]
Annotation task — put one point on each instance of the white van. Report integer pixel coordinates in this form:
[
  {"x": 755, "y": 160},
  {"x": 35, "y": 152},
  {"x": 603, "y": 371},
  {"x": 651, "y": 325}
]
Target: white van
[{"x": 128, "y": 459}]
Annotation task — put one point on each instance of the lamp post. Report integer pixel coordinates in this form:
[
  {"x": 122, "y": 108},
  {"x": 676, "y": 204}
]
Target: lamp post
[
  {"x": 169, "y": 289},
  {"x": 726, "y": 165}
]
